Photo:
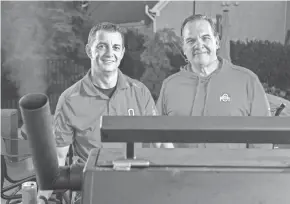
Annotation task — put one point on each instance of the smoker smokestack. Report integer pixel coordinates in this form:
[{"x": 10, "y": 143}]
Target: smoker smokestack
[{"x": 37, "y": 118}]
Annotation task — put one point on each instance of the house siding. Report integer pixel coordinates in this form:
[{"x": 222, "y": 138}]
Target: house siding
[
  {"x": 173, "y": 14},
  {"x": 252, "y": 19},
  {"x": 140, "y": 28},
  {"x": 288, "y": 15},
  {"x": 119, "y": 11}
]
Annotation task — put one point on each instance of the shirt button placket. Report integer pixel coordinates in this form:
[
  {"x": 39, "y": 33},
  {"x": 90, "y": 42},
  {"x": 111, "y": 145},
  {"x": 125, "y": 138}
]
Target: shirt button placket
[{"x": 199, "y": 102}]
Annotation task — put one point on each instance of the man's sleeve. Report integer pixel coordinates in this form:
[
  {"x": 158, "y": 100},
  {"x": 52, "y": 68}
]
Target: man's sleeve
[
  {"x": 150, "y": 107},
  {"x": 259, "y": 107},
  {"x": 150, "y": 110},
  {"x": 258, "y": 99},
  {"x": 160, "y": 102},
  {"x": 63, "y": 132}
]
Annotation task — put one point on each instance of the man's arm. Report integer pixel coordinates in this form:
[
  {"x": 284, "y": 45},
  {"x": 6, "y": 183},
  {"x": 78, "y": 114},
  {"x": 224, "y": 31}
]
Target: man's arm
[
  {"x": 161, "y": 110},
  {"x": 160, "y": 101},
  {"x": 62, "y": 154},
  {"x": 62, "y": 130},
  {"x": 63, "y": 134},
  {"x": 151, "y": 109},
  {"x": 258, "y": 99}
]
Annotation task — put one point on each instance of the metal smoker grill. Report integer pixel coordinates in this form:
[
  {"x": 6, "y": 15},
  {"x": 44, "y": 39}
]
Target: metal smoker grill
[{"x": 168, "y": 176}]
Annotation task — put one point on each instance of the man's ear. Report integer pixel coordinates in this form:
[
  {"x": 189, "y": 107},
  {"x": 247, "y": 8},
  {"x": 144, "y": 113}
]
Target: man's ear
[
  {"x": 123, "y": 52},
  {"x": 88, "y": 51},
  {"x": 217, "y": 41}
]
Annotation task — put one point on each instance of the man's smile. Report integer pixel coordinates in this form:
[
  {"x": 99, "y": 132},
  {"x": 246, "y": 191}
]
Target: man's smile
[
  {"x": 108, "y": 61},
  {"x": 200, "y": 53}
]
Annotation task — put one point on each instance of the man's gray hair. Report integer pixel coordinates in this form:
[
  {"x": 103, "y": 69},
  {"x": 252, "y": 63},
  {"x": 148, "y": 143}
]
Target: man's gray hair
[{"x": 199, "y": 17}]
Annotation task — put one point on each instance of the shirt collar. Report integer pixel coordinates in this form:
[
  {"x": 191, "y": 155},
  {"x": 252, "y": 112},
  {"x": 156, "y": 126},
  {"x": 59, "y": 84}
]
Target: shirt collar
[
  {"x": 223, "y": 63},
  {"x": 91, "y": 90}
]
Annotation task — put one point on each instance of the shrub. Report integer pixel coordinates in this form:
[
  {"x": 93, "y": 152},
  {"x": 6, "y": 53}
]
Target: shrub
[
  {"x": 269, "y": 60},
  {"x": 131, "y": 64},
  {"x": 161, "y": 58}
]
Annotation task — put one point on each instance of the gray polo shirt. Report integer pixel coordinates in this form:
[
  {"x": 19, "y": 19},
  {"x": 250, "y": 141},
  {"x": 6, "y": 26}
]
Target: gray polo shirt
[
  {"x": 79, "y": 108},
  {"x": 229, "y": 91}
]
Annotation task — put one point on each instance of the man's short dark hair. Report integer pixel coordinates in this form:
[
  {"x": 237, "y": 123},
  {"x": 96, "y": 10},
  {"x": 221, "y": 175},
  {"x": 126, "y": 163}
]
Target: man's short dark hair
[
  {"x": 199, "y": 17},
  {"x": 106, "y": 26}
]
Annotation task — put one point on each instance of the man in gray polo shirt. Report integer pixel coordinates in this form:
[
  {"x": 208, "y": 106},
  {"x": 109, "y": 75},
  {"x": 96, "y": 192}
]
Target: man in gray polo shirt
[
  {"x": 209, "y": 85},
  {"x": 104, "y": 90}
]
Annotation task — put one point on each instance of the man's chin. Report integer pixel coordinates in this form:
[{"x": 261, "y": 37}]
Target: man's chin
[
  {"x": 201, "y": 61},
  {"x": 109, "y": 69},
  {"x": 106, "y": 68}
]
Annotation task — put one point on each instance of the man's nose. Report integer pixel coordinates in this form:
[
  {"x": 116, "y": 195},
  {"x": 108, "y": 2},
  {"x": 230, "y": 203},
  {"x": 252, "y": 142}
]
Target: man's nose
[
  {"x": 109, "y": 51},
  {"x": 199, "y": 43}
]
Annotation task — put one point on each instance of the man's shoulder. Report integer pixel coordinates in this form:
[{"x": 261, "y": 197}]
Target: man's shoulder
[
  {"x": 173, "y": 79},
  {"x": 136, "y": 84},
  {"x": 71, "y": 91},
  {"x": 244, "y": 72}
]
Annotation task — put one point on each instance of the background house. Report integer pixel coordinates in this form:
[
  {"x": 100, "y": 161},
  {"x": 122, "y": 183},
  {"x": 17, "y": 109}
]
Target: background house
[
  {"x": 245, "y": 20},
  {"x": 261, "y": 20},
  {"x": 266, "y": 20},
  {"x": 126, "y": 13}
]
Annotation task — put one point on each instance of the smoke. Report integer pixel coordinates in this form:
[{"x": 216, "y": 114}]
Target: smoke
[
  {"x": 23, "y": 37},
  {"x": 28, "y": 75}
]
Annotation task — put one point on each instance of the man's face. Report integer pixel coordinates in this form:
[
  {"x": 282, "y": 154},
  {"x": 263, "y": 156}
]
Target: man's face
[
  {"x": 106, "y": 51},
  {"x": 199, "y": 43}
]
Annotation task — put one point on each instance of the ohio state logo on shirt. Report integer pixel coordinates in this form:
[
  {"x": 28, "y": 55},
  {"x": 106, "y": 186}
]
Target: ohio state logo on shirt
[
  {"x": 225, "y": 98},
  {"x": 131, "y": 112}
]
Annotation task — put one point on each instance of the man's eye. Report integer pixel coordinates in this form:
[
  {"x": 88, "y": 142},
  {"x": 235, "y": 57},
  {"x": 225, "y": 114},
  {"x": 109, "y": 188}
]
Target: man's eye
[
  {"x": 190, "y": 42},
  {"x": 101, "y": 46},
  {"x": 206, "y": 38},
  {"x": 117, "y": 48}
]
